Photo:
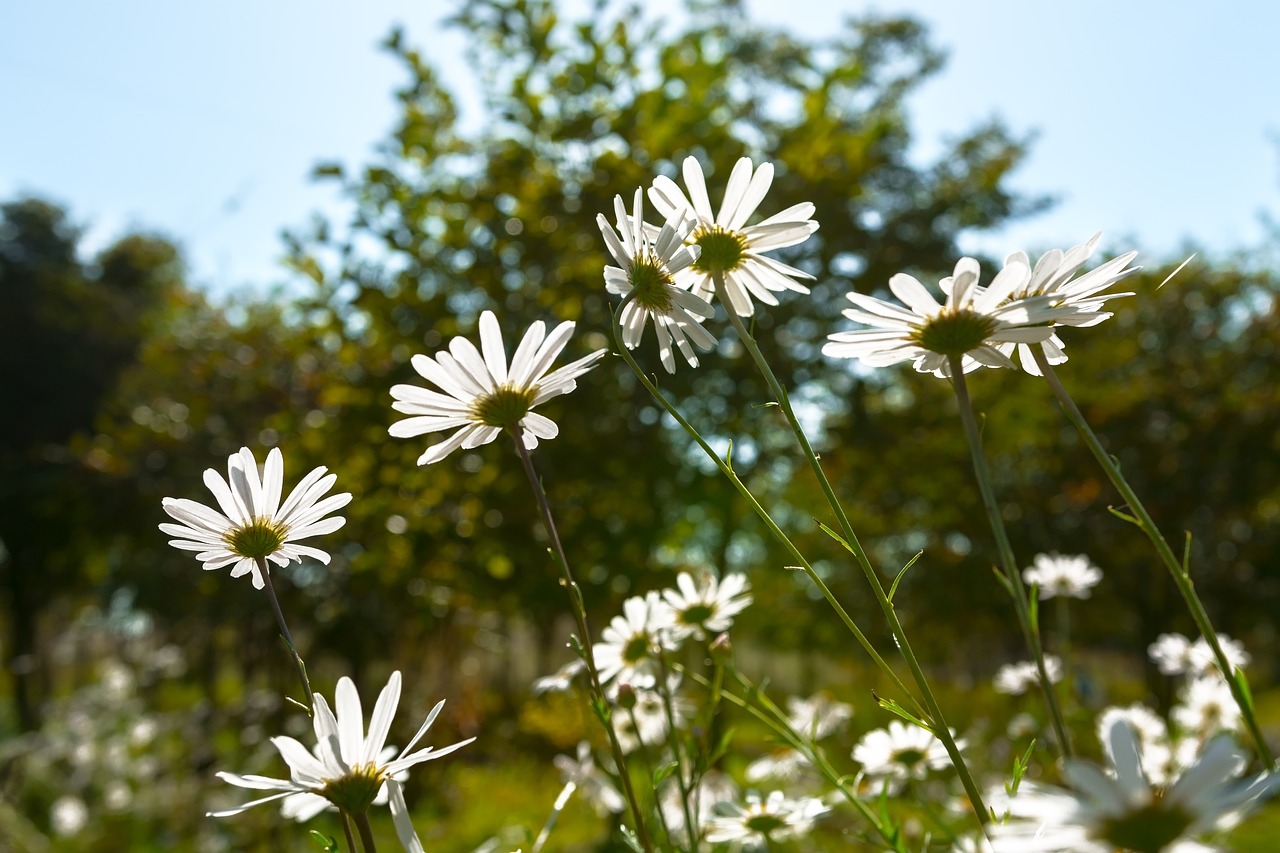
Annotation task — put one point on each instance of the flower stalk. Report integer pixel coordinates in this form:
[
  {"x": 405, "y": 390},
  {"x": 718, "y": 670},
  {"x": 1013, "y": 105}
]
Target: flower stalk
[
  {"x": 1179, "y": 571},
  {"x": 938, "y": 723},
  {"x": 1008, "y": 565},
  {"x": 580, "y": 615},
  {"x": 285, "y": 635}
]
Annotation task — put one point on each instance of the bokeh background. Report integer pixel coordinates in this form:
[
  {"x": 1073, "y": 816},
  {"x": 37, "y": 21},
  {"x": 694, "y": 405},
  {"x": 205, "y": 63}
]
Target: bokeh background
[{"x": 234, "y": 227}]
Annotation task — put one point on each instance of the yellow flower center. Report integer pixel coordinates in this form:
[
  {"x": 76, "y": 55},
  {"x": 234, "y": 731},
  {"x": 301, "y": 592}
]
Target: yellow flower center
[
  {"x": 955, "y": 332},
  {"x": 355, "y": 792},
  {"x": 722, "y": 250},
  {"x": 651, "y": 283},
  {"x": 258, "y": 539},
  {"x": 504, "y": 407},
  {"x": 1149, "y": 829}
]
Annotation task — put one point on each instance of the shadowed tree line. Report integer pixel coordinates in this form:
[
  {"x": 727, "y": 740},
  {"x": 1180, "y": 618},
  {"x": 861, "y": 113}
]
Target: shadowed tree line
[{"x": 123, "y": 383}]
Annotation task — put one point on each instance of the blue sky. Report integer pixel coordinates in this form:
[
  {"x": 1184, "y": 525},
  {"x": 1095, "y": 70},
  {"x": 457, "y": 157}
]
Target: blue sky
[{"x": 1157, "y": 121}]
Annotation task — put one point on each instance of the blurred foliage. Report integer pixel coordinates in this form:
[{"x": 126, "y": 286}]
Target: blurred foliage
[{"x": 129, "y": 384}]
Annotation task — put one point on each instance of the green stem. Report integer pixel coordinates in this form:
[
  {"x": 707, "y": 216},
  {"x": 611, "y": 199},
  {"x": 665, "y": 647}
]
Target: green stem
[
  {"x": 285, "y": 635},
  {"x": 664, "y": 689},
  {"x": 366, "y": 833},
  {"x": 1180, "y": 573},
  {"x": 346, "y": 830},
  {"x": 578, "y": 606},
  {"x": 726, "y": 468},
  {"x": 937, "y": 721},
  {"x": 1009, "y": 566}
]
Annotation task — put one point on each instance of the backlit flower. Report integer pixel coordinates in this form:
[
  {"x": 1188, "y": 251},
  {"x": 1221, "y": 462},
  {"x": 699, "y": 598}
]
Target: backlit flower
[
  {"x": 482, "y": 394},
  {"x": 646, "y": 276},
  {"x": 630, "y": 644},
  {"x": 1015, "y": 679},
  {"x": 973, "y": 323},
  {"x": 347, "y": 767},
  {"x": 901, "y": 752},
  {"x": 1058, "y": 575},
  {"x": 728, "y": 245},
  {"x": 253, "y": 525},
  {"x": 1117, "y": 808},
  {"x": 706, "y": 607},
  {"x": 762, "y": 822}
]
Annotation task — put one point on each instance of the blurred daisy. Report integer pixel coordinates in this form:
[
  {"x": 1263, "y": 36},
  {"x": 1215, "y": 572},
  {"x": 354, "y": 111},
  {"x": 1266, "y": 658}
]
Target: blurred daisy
[
  {"x": 1205, "y": 707},
  {"x": 347, "y": 767},
  {"x": 974, "y": 322},
  {"x": 1058, "y": 575},
  {"x": 901, "y": 752},
  {"x": 1117, "y": 808},
  {"x": 588, "y": 779},
  {"x": 762, "y": 822},
  {"x": 706, "y": 607},
  {"x": 646, "y": 275},
  {"x": 1155, "y": 749},
  {"x": 646, "y": 722},
  {"x": 1014, "y": 679},
  {"x": 1174, "y": 654},
  {"x": 630, "y": 644},
  {"x": 560, "y": 680},
  {"x": 786, "y": 765},
  {"x": 253, "y": 525},
  {"x": 817, "y": 716},
  {"x": 1052, "y": 277},
  {"x": 728, "y": 245},
  {"x": 712, "y": 789},
  {"x": 482, "y": 395}
]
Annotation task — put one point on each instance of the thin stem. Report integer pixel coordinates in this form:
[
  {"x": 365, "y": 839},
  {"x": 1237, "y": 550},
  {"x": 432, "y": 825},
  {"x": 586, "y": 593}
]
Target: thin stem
[
  {"x": 366, "y": 833},
  {"x": 1180, "y": 572},
  {"x": 578, "y": 607},
  {"x": 284, "y": 633},
  {"x": 664, "y": 688},
  {"x": 1064, "y": 627},
  {"x": 1009, "y": 565},
  {"x": 937, "y": 721},
  {"x": 346, "y": 830},
  {"x": 726, "y": 468}
]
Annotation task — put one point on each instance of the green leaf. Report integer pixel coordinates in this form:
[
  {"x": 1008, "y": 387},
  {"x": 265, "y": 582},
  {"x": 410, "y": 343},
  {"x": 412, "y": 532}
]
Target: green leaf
[
  {"x": 902, "y": 573},
  {"x": 835, "y": 536},
  {"x": 327, "y": 843}
]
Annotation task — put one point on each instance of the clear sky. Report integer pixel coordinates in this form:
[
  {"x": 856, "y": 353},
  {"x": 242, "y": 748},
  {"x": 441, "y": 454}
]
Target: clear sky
[{"x": 1157, "y": 120}]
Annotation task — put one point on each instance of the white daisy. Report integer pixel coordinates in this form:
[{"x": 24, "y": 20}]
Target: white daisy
[
  {"x": 1155, "y": 749},
  {"x": 728, "y": 245},
  {"x": 782, "y": 765},
  {"x": 253, "y": 524},
  {"x": 560, "y": 680},
  {"x": 646, "y": 722},
  {"x": 1015, "y": 679},
  {"x": 706, "y": 607},
  {"x": 1059, "y": 575},
  {"x": 1052, "y": 277},
  {"x": 1174, "y": 654},
  {"x": 817, "y": 716},
  {"x": 1205, "y": 707},
  {"x": 595, "y": 787},
  {"x": 712, "y": 789},
  {"x": 761, "y": 822},
  {"x": 630, "y": 644},
  {"x": 346, "y": 768},
  {"x": 973, "y": 323},
  {"x": 901, "y": 752},
  {"x": 1117, "y": 809},
  {"x": 646, "y": 274},
  {"x": 482, "y": 395},
  {"x": 302, "y": 807}
]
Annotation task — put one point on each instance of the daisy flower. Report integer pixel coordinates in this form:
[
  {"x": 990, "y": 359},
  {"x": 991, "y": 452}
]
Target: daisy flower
[
  {"x": 1205, "y": 707},
  {"x": 712, "y": 789},
  {"x": 1057, "y": 575},
  {"x": 630, "y": 643},
  {"x": 646, "y": 723},
  {"x": 347, "y": 768},
  {"x": 646, "y": 275},
  {"x": 974, "y": 322},
  {"x": 761, "y": 822},
  {"x": 1052, "y": 277},
  {"x": 1155, "y": 749},
  {"x": 901, "y": 752},
  {"x": 585, "y": 777},
  {"x": 1117, "y": 808},
  {"x": 706, "y": 607},
  {"x": 1174, "y": 654},
  {"x": 482, "y": 394},
  {"x": 302, "y": 807},
  {"x": 729, "y": 246},
  {"x": 817, "y": 716},
  {"x": 1015, "y": 679},
  {"x": 253, "y": 525}
]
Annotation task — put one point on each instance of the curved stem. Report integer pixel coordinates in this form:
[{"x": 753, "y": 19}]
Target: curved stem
[
  {"x": 938, "y": 723},
  {"x": 285, "y": 635},
  {"x": 578, "y": 606},
  {"x": 682, "y": 761},
  {"x": 726, "y": 468},
  {"x": 1009, "y": 565},
  {"x": 1180, "y": 572}
]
